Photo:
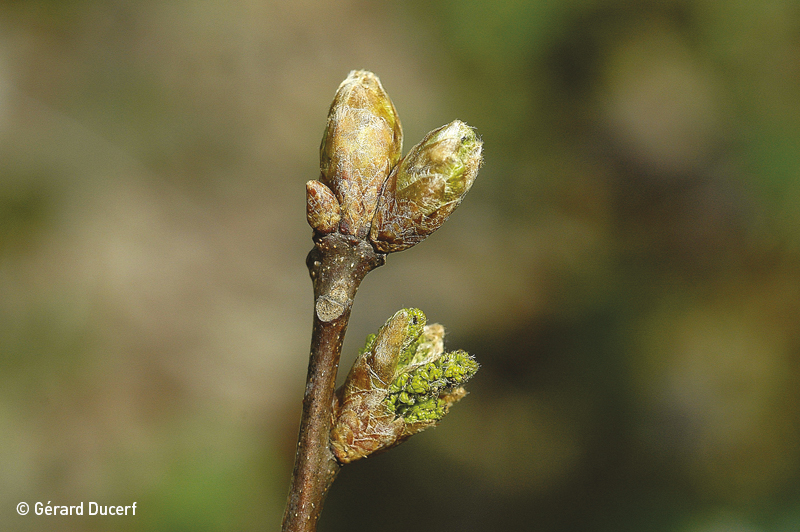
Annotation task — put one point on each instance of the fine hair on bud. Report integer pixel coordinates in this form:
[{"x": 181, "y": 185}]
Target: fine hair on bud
[
  {"x": 362, "y": 142},
  {"x": 426, "y": 187}
]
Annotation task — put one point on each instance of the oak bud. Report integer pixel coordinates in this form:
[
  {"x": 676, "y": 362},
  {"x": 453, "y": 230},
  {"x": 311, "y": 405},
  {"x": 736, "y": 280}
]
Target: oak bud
[
  {"x": 426, "y": 187},
  {"x": 322, "y": 208},
  {"x": 362, "y": 142},
  {"x": 401, "y": 383}
]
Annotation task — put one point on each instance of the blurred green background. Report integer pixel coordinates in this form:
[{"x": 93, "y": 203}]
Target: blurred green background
[{"x": 626, "y": 267}]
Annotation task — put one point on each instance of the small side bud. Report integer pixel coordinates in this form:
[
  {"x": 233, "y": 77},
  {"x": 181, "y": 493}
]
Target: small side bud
[
  {"x": 401, "y": 383},
  {"x": 426, "y": 187},
  {"x": 322, "y": 208},
  {"x": 362, "y": 143}
]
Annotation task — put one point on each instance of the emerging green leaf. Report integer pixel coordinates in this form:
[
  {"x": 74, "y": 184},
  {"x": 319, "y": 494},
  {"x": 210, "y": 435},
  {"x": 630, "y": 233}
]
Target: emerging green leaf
[{"x": 401, "y": 383}]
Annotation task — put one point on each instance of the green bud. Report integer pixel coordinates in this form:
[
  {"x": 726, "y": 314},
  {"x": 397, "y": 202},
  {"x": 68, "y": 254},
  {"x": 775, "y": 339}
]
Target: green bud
[
  {"x": 362, "y": 142},
  {"x": 430, "y": 410},
  {"x": 434, "y": 377},
  {"x": 418, "y": 384},
  {"x": 401, "y": 383},
  {"x": 426, "y": 187}
]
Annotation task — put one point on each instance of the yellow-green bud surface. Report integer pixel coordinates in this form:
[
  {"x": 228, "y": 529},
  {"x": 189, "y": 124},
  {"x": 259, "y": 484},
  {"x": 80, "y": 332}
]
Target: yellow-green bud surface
[{"x": 426, "y": 187}]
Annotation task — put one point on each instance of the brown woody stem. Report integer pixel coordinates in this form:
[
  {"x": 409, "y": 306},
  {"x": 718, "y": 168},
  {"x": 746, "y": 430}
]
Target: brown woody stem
[{"x": 337, "y": 265}]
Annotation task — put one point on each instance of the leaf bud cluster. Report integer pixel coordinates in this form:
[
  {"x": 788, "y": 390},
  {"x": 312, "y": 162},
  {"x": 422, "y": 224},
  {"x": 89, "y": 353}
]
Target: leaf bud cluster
[{"x": 401, "y": 383}]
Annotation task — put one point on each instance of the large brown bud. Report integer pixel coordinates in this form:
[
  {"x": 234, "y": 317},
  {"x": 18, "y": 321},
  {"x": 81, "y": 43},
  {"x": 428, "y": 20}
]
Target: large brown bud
[{"x": 363, "y": 141}]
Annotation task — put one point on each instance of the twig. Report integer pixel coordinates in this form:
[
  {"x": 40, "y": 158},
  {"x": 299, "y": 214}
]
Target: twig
[
  {"x": 367, "y": 203},
  {"x": 337, "y": 264}
]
